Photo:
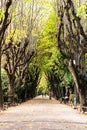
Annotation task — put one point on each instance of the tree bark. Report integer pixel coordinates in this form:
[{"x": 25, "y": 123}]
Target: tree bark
[
  {"x": 79, "y": 83},
  {"x": 76, "y": 48},
  {"x": 1, "y": 92},
  {"x": 3, "y": 27},
  {"x": 11, "y": 88}
]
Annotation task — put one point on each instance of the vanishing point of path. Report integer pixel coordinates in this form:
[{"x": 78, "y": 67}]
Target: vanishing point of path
[{"x": 42, "y": 114}]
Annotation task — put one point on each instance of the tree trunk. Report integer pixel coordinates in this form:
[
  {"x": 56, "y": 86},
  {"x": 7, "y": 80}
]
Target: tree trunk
[
  {"x": 76, "y": 48},
  {"x": 26, "y": 93},
  {"x": 3, "y": 27},
  {"x": 80, "y": 83},
  {"x": 11, "y": 89},
  {"x": 26, "y": 90},
  {"x": 82, "y": 97},
  {"x": 1, "y": 93},
  {"x": 1, "y": 3}
]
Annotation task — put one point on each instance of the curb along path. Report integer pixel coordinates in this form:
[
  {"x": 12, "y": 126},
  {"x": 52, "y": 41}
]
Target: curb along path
[{"x": 42, "y": 114}]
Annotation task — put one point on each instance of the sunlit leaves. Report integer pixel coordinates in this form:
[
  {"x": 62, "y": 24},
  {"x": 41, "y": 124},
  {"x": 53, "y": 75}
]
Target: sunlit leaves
[
  {"x": 67, "y": 80},
  {"x": 17, "y": 36},
  {"x": 47, "y": 39},
  {"x": 43, "y": 83},
  {"x": 27, "y": 1},
  {"x": 82, "y": 11},
  {"x": 2, "y": 14}
]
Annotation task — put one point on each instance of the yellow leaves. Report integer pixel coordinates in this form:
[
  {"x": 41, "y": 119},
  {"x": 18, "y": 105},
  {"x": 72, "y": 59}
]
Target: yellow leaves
[
  {"x": 17, "y": 35},
  {"x": 26, "y": 1},
  {"x": 81, "y": 11},
  {"x": 44, "y": 2},
  {"x": 2, "y": 14}
]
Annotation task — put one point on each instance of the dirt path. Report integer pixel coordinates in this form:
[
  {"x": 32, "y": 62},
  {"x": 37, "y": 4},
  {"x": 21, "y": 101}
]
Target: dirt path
[{"x": 42, "y": 114}]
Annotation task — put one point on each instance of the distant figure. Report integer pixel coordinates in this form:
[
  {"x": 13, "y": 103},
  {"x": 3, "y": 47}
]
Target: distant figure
[{"x": 50, "y": 95}]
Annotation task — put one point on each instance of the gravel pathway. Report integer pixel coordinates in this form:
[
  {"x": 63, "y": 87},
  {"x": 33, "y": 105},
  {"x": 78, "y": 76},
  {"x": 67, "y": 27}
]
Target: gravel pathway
[{"x": 42, "y": 114}]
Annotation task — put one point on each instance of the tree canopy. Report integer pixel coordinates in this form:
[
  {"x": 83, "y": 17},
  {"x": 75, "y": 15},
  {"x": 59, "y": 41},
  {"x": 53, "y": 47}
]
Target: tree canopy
[{"x": 42, "y": 48}]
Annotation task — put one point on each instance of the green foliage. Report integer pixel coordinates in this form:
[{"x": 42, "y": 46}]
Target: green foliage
[
  {"x": 82, "y": 11},
  {"x": 33, "y": 78},
  {"x": 2, "y": 14},
  {"x": 67, "y": 80},
  {"x": 16, "y": 35},
  {"x": 4, "y": 84},
  {"x": 4, "y": 79},
  {"x": 43, "y": 86},
  {"x": 47, "y": 41},
  {"x": 50, "y": 27},
  {"x": 56, "y": 63},
  {"x": 26, "y": 1},
  {"x": 47, "y": 67},
  {"x": 28, "y": 86}
]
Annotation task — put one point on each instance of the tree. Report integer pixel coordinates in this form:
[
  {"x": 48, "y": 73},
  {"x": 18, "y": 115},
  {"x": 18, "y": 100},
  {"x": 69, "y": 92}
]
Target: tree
[
  {"x": 32, "y": 79},
  {"x": 20, "y": 49},
  {"x": 16, "y": 56},
  {"x": 3, "y": 27},
  {"x": 72, "y": 45}
]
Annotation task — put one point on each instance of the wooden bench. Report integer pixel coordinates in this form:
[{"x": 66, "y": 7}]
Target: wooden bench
[
  {"x": 84, "y": 107},
  {"x": 64, "y": 100},
  {"x": 5, "y": 105},
  {"x": 8, "y": 104}
]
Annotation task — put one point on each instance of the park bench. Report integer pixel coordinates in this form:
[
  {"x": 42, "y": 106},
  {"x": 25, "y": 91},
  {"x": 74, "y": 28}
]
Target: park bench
[
  {"x": 6, "y": 105},
  {"x": 84, "y": 107},
  {"x": 64, "y": 100}
]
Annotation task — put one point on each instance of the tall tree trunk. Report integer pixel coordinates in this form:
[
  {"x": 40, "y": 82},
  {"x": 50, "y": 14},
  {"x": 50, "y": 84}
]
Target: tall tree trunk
[
  {"x": 11, "y": 88},
  {"x": 1, "y": 92},
  {"x": 3, "y": 27},
  {"x": 26, "y": 90},
  {"x": 80, "y": 84},
  {"x": 76, "y": 48},
  {"x": 1, "y": 3}
]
